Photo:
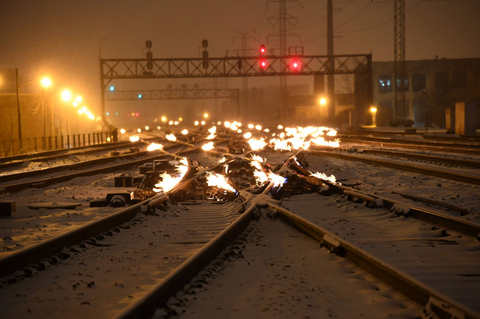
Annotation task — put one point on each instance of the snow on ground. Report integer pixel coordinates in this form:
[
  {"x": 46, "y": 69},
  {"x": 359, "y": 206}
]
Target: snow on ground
[
  {"x": 73, "y": 159},
  {"x": 278, "y": 272},
  {"x": 30, "y": 226},
  {"x": 446, "y": 261},
  {"x": 456, "y": 169},
  {"x": 382, "y": 181},
  {"x": 100, "y": 281}
]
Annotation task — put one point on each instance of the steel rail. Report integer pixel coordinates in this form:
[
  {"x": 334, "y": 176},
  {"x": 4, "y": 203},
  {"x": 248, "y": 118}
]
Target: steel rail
[
  {"x": 55, "y": 157},
  {"x": 422, "y": 157},
  {"x": 405, "y": 167},
  {"x": 431, "y": 136},
  {"x": 410, "y": 287},
  {"x": 45, "y": 249},
  {"x": 74, "y": 166},
  {"x": 53, "y": 152},
  {"x": 33, "y": 254},
  {"x": 456, "y": 224},
  {"x": 414, "y": 146},
  {"x": 418, "y": 142},
  {"x": 159, "y": 294},
  {"x": 58, "y": 179}
]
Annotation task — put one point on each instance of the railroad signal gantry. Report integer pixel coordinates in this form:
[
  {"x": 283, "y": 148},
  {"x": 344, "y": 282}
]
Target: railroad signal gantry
[{"x": 127, "y": 69}]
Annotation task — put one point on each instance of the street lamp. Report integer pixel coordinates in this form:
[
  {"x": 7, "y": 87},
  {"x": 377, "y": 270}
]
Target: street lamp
[
  {"x": 45, "y": 82},
  {"x": 374, "y": 115},
  {"x": 66, "y": 95},
  {"x": 322, "y": 101}
]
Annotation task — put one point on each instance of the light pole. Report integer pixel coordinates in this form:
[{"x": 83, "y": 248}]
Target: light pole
[
  {"x": 45, "y": 82},
  {"x": 374, "y": 115}
]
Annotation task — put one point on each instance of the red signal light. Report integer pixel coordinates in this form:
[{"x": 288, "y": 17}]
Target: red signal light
[
  {"x": 263, "y": 64},
  {"x": 295, "y": 65},
  {"x": 136, "y": 114},
  {"x": 262, "y": 49}
]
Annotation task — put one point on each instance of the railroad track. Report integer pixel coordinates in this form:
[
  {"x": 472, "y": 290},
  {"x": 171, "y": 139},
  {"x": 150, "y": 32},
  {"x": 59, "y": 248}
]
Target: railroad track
[
  {"x": 465, "y": 178},
  {"x": 179, "y": 226},
  {"x": 423, "y": 157},
  {"x": 429, "y": 146}
]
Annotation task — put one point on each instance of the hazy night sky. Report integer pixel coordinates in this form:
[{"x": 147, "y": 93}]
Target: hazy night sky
[{"x": 62, "y": 38}]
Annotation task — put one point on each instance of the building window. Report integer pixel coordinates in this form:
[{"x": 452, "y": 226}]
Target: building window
[
  {"x": 406, "y": 83},
  {"x": 477, "y": 79},
  {"x": 385, "y": 83},
  {"x": 459, "y": 80},
  {"x": 418, "y": 82},
  {"x": 441, "y": 81}
]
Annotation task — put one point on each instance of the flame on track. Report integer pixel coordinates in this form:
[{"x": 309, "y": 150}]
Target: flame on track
[
  {"x": 171, "y": 137},
  {"x": 258, "y": 158},
  {"x": 185, "y": 132},
  {"x": 324, "y": 177},
  {"x": 277, "y": 180},
  {"x": 212, "y": 132},
  {"x": 219, "y": 181},
  {"x": 296, "y": 138},
  {"x": 168, "y": 181},
  {"x": 257, "y": 144},
  {"x": 134, "y": 138},
  {"x": 154, "y": 147},
  {"x": 208, "y": 146}
]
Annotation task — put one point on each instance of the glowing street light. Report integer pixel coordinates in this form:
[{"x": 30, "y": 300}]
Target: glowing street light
[
  {"x": 374, "y": 115},
  {"x": 75, "y": 103},
  {"x": 46, "y": 82},
  {"x": 66, "y": 95},
  {"x": 79, "y": 99},
  {"x": 164, "y": 119},
  {"x": 322, "y": 101},
  {"x": 205, "y": 115}
]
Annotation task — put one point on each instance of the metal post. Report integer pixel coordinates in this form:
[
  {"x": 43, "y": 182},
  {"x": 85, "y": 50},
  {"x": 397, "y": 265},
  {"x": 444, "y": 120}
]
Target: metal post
[
  {"x": 56, "y": 142},
  {"x": 84, "y": 140},
  {"x": 44, "y": 118},
  {"x": 89, "y": 139},
  {"x": 18, "y": 110},
  {"x": 331, "y": 62},
  {"x": 68, "y": 141}
]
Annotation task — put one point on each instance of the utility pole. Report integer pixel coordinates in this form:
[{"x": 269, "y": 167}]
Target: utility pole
[
  {"x": 331, "y": 62},
  {"x": 18, "y": 111},
  {"x": 399, "y": 58},
  {"x": 244, "y": 36},
  {"x": 282, "y": 18}
]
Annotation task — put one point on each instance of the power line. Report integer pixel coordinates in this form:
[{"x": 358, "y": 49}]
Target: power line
[{"x": 384, "y": 22}]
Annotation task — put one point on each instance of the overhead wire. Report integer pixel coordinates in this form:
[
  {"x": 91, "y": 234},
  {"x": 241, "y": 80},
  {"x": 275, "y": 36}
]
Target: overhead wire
[{"x": 381, "y": 23}]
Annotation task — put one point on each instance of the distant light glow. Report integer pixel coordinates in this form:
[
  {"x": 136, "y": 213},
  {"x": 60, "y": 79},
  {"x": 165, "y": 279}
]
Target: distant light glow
[
  {"x": 66, "y": 95},
  {"x": 205, "y": 115},
  {"x": 112, "y": 88},
  {"x": 46, "y": 82},
  {"x": 322, "y": 101},
  {"x": 79, "y": 99},
  {"x": 122, "y": 131}
]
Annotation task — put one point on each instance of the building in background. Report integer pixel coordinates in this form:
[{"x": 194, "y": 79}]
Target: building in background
[{"x": 432, "y": 86}]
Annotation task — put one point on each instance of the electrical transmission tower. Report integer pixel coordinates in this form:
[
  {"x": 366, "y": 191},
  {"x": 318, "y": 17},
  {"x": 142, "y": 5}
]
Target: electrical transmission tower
[
  {"x": 399, "y": 58},
  {"x": 282, "y": 18}
]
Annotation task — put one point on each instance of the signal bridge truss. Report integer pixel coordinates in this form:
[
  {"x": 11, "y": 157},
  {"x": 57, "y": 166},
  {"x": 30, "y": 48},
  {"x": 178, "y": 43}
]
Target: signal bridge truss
[
  {"x": 290, "y": 65},
  {"x": 113, "y": 69},
  {"x": 174, "y": 94}
]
